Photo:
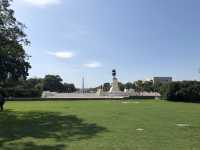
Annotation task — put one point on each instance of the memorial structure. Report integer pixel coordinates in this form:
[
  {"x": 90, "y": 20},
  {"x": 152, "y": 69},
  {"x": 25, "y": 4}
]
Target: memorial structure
[
  {"x": 113, "y": 93},
  {"x": 115, "y": 85},
  {"x": 115, "y": 90}
]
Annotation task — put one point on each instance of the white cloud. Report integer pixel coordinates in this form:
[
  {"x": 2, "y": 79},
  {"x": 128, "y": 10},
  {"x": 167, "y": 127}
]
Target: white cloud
[
  {"x": 42, "y": 2},
  {"x": 62, "y": 55},
  {"x": 94, "y": 64}
]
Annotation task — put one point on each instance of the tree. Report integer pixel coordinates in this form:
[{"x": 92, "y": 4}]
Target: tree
[
  {"x": 157, "y": 87},
  {"x": 139, "y": 85},
  {"x": 129, "y": 85},
  {"x": 106, "y": 87},
  {"x": 13, "y": 59},
  {"x": 188, "y": 91},
  {"x": 36, "y": 83},
  {"x": 69, "y": 87},
  {"x": 53, "y": 83},
  {"x": 148, "y": 86},
  {"x": 121, "y": 86}
]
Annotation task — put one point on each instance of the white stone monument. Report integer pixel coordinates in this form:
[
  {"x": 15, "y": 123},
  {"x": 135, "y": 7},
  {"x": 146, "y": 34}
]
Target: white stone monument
[
  {"x": 100, "y": 92},
  {"x": 115, "y": 86},
  {"x": 115, "y": 90}
]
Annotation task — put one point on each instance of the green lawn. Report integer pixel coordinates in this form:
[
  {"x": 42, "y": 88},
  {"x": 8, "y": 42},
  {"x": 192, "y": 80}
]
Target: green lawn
[{"x": 99, "y": 125}]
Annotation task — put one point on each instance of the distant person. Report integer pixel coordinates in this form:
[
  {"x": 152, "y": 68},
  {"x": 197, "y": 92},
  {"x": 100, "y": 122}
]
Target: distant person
[{"x": 2, "y": 101}]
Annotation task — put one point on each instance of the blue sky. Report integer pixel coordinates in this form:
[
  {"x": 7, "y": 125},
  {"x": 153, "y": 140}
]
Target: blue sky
[{"x": 139, "y": 38}]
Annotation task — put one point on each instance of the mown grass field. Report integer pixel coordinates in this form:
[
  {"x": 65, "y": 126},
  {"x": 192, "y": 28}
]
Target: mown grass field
[{"x": 100, "y": 125}]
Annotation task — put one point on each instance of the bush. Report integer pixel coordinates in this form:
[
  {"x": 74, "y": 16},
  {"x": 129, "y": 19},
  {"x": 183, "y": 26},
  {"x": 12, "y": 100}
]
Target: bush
[
  {"x": 19, "y": 92},
  {"x": 188, "y": 91}
]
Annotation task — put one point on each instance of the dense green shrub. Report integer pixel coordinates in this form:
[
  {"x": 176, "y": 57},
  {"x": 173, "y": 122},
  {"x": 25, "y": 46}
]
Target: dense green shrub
[
  {"x": 54, "y": 83},
  {"x": 19, "y": 92},
  {"x": 187, "y": 91}
]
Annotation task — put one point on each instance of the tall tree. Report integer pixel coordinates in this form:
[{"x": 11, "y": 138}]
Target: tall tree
[
  {"x": 13, "y": 58},
  {"x": 121, "y": 86},
  {"x": 53, "y": 83},
  {"x": 129, "y": 85},
  {"x": 148, "y": 86},
  {"x": 69, "y": 87},
  {"x": 139, "y": 85}
]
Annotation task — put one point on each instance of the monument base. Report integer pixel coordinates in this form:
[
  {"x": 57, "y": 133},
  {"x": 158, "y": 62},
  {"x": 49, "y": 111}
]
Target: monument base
[
  {"x": 115, "y": 86},
  {"x": 117, "y": 93}
]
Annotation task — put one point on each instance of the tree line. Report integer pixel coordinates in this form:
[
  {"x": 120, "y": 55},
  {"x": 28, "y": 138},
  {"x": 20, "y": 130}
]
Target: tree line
[
  {"x": 34, "y": 87},
  {"x": 138, "y": 86},
  {"x": 187, "y": 91}
]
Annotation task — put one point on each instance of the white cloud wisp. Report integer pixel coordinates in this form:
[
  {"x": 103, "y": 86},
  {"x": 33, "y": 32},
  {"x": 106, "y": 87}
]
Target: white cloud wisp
[
  {"x": 62, "y": 55},
  {"x": 93, "y": 65},
  {"x": 42, "y": 3}
]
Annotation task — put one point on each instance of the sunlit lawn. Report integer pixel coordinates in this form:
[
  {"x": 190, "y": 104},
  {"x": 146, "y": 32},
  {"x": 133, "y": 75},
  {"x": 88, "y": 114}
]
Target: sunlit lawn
[{"x": 100, "y": 125}]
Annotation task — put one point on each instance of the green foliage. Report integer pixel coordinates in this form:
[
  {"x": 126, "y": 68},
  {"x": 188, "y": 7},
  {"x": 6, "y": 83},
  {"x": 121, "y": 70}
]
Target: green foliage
[
  {"x": 181, "y": 91},
  {"x": 157, "y": 87},
  {"x": 106, "y": 87},
  {"x": 139, "y": 85},
  {"x": 142, "y": 86},
  {"x": 20, "y": 92},
  {"x": 129, "y": 85},
  {"x": 121, "y": 86},
  {"x": 36, "y": 83},
  {"x": 69, "y": 87},
  {"x": 148, "y": 86},
  {"x": 23, "y": 88},
  {"x": 13, "y": 59},
  {"x": 33, "y": 87},
  {"x": 54, "y": 83}
]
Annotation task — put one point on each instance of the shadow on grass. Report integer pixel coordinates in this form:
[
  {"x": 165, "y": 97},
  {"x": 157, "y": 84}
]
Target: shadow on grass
[
  {"x": 16, "y": 127},
  {"x": 32, "y": 146}
]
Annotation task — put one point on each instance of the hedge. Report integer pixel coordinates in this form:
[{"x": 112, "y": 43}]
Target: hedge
[
  {"x": 16, "y": 92},
  {"x": 187, "y": 91}
]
